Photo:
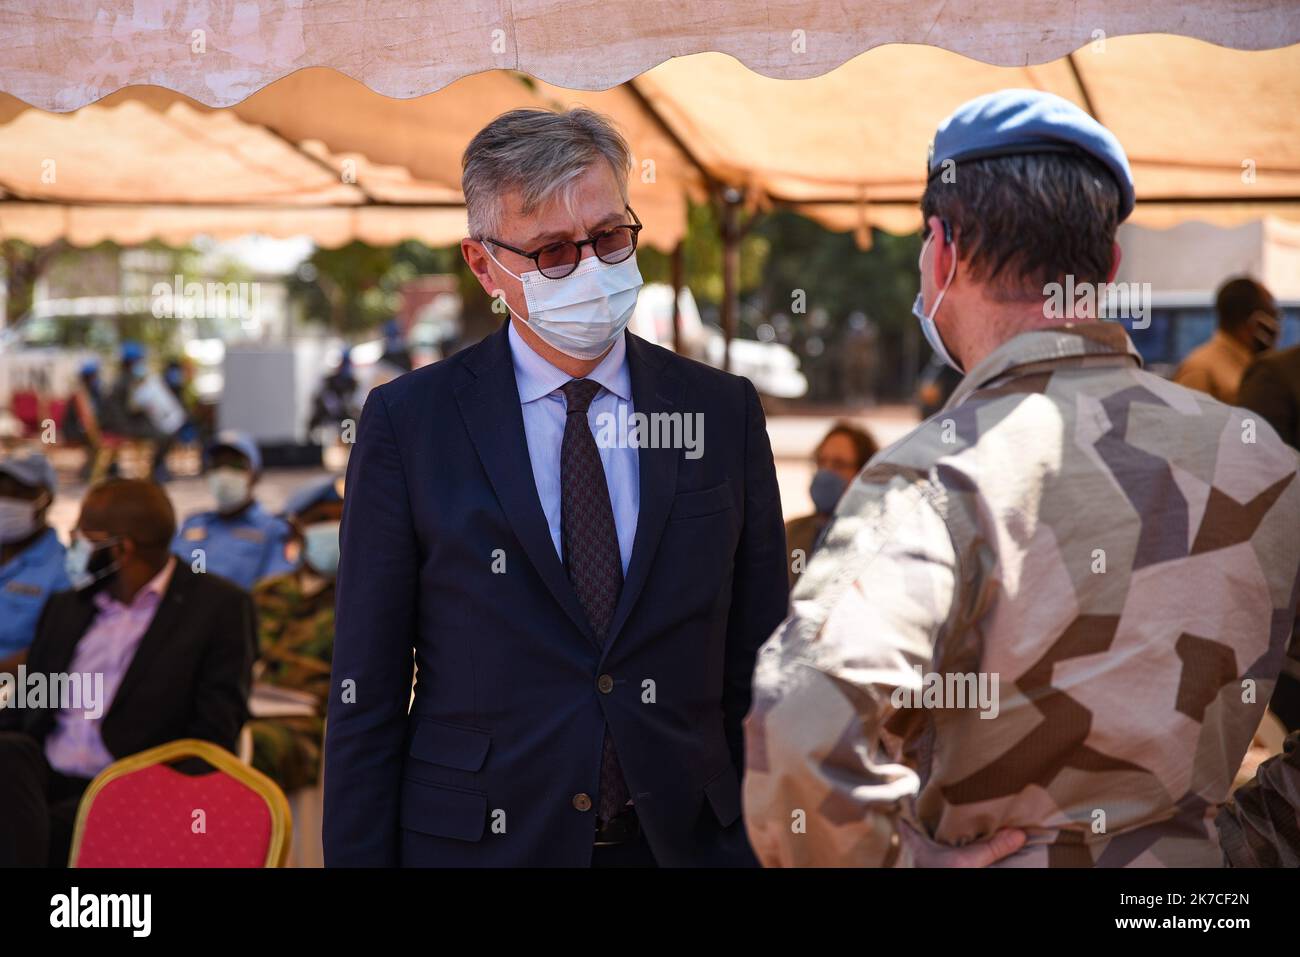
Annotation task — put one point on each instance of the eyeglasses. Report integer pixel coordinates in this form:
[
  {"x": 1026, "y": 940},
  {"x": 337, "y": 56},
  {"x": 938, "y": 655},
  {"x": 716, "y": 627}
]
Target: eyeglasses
[{"x": 557, "y": 260}]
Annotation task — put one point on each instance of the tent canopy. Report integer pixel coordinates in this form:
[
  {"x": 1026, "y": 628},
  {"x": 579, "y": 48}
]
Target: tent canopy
[
  {"x": 315, "y": 154},
  {"x": 63, "y": 54},
  {"x": 1210, "y": 132}
]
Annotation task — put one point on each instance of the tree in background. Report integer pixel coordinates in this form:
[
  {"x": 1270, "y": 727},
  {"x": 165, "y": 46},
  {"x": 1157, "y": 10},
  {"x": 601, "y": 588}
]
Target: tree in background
[
  {"x": 833, "y": 302},
  {"x": 24, "y": 264}
]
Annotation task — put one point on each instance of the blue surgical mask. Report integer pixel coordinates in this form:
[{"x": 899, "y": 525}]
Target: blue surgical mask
[
  {"x": 928, "y": 327},
  {"x": 826, "y": 490},
  {"x": 320, "y": 547}
]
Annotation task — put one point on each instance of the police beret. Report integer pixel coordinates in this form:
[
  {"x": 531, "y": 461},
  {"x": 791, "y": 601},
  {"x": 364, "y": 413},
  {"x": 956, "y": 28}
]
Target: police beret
[
  {"x": 314, "y": 493},
  {"x": 1028, "y": 121}
]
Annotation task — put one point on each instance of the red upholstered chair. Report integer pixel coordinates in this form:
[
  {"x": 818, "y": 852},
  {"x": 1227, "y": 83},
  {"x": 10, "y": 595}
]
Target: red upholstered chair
[{"x": 142, "y": 812}]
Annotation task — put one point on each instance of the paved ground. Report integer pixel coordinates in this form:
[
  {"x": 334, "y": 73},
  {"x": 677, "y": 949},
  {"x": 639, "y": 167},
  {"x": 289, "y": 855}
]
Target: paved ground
[{"x": 793, "y": 439}]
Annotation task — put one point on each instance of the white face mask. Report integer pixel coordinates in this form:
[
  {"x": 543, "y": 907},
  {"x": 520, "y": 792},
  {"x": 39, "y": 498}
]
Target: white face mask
[
  {"x": 229, "y": 487},
  {"x": 582, "y": 314},
  {"x": 928, "y": 327},
  {"x": 17, "y": 518}
]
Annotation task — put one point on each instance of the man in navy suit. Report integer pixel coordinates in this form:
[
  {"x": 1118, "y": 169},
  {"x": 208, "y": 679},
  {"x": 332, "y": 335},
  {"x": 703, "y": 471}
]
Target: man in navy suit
[{"x": 575, "y": 540}]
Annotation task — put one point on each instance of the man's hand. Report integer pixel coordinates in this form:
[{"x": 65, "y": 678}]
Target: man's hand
[{"x": 927, "y": 853}]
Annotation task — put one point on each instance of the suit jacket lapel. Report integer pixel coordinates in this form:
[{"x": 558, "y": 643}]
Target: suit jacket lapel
[
  {"x": 654, "y": 389},
  {"x": 162, "y": 630},
  {"x": 489, "y": 403}
]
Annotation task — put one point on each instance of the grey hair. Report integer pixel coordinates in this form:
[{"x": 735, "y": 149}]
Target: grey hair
[{"x": 540, "y": 153}]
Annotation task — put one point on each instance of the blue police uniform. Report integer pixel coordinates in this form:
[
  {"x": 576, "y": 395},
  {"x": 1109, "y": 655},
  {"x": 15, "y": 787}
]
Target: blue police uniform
[
  {"x": 25, "y": 582},
  {"x": 243, "y": 549},
  {"x": 314, "y": 493}
]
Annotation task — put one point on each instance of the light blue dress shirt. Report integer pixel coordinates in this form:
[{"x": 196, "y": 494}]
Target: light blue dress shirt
[{"x": 609, "y": 417}]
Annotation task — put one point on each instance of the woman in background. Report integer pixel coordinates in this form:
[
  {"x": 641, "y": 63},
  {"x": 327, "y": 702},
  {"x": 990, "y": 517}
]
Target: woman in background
[{"x": 839, "y": 458}]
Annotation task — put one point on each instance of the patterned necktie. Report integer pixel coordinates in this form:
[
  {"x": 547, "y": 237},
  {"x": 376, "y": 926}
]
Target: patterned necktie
[{"x": 591, "y": 553}]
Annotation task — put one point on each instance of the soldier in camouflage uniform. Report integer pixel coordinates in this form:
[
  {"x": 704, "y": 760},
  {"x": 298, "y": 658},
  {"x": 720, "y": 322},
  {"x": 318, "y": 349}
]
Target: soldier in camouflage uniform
[
  {"x": 296, "y": 617},
  {"x": 1061, "y": 604}
]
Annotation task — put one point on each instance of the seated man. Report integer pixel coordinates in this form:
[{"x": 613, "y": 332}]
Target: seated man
[
  {"x": 295, "y": 614},
  {"x": 238, "y": 540},
  {"x": 31, "y": 555},
  {"x": 154, "y": 652}
]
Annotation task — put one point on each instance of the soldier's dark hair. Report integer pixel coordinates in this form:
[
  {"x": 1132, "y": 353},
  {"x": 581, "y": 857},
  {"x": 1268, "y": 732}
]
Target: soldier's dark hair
[
  {"x": 1025, "y": 220},
  {"x": 1240, "y": 298}
]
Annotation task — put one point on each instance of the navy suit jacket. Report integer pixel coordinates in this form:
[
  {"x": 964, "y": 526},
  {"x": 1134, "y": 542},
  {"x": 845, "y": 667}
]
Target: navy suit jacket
[{"x": 448, "y": 567}]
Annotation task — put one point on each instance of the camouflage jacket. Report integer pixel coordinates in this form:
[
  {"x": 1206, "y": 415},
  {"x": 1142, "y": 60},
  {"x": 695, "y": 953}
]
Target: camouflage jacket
[
  {"x": 1059, "y": 604},
  {"x": 296, "y": 619}
]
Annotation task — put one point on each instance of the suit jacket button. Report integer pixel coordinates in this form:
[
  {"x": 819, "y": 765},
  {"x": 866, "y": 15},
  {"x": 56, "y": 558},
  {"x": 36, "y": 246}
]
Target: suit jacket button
[
  {"x": 605, "y": 683},
  {"x": 582, "y": 802}
]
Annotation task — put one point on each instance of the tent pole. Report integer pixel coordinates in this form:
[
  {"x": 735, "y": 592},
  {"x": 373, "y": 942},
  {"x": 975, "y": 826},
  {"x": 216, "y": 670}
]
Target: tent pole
[
  {"x": 731, "y": 199},
  {"x": 678, "y": 345}
]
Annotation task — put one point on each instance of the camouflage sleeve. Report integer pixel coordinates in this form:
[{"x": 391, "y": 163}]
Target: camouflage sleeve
[
  {"x": 825, "y": 778},
  {"x": 272, "y": 611},
  {"x": 1260, "y": 826}
]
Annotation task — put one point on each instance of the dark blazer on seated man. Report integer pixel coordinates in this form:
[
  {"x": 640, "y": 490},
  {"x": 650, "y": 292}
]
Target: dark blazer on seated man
[
  {"x": 582, "y": 612},
  {"x": 166, "y": 653},
  {"x": 189, "y": 676}
]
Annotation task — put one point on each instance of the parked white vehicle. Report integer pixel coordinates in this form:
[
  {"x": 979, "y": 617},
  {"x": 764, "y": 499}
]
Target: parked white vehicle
[{"x": 772, "y": 367}]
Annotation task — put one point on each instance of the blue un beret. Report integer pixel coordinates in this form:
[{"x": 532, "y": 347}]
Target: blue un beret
[{"x": 1029, "y": 121}]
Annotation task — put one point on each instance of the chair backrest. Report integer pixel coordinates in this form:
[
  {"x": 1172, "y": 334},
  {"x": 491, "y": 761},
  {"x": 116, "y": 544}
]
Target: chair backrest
[{"x": 141, "y": 812}]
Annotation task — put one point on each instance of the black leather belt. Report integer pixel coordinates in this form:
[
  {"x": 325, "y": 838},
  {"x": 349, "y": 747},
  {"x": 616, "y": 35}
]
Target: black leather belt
[{"x": 620, "y": 829}]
